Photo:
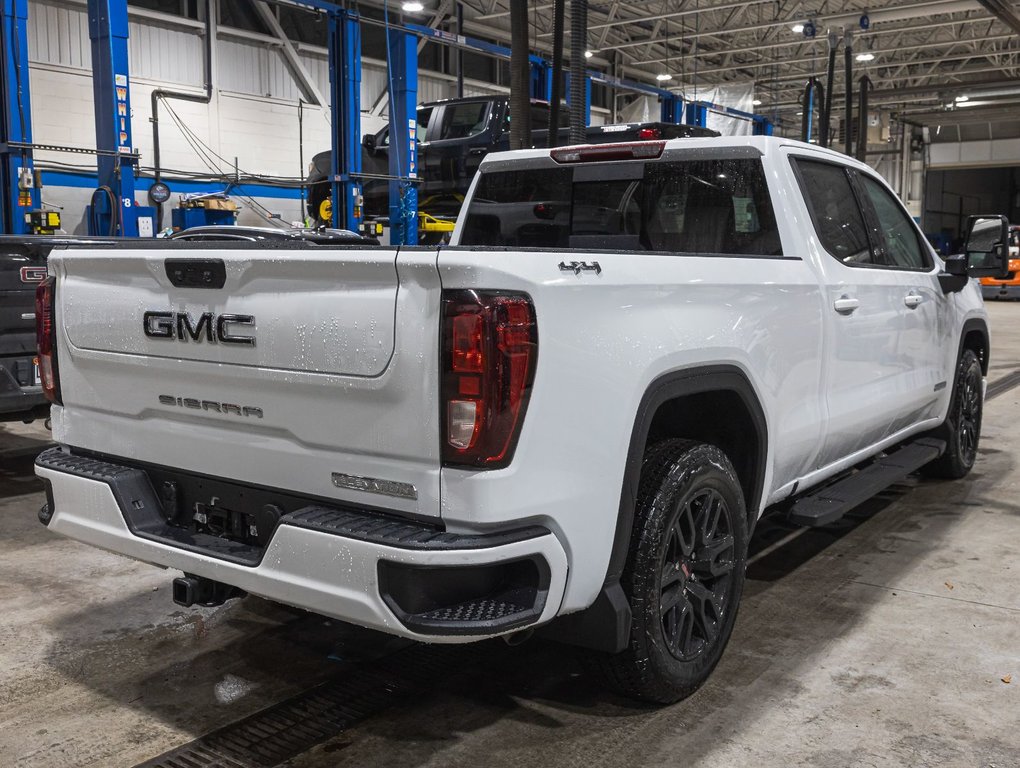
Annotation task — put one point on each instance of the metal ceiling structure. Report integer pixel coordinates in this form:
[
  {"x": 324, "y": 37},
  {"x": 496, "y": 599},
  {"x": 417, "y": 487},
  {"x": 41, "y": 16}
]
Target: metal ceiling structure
[{"x": 925, "y": 53}]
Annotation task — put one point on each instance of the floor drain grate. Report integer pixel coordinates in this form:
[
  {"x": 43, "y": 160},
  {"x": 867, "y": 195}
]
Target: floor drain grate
[
  {"x": 1002, "y": 385},
  {"x": 292, "y": 727}
]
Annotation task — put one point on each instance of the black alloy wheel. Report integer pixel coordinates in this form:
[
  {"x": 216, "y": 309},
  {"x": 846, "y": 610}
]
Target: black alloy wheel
[
  {"x": 697, "y": 570},
  {"x": 684, "y": 573},
  {"x": 968, "y": 417},
  {"x": 962, "y": 428}
]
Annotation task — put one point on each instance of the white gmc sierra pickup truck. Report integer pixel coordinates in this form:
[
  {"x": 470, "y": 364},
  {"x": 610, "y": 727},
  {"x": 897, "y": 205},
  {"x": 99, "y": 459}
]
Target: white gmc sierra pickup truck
[{"x": 569, "y": 418}]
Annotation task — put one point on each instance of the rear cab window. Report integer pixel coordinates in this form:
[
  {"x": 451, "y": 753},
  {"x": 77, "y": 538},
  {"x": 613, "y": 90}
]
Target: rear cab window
[
  {"x": 703, "y": 206},
  {"x": 834, "y": 210}
]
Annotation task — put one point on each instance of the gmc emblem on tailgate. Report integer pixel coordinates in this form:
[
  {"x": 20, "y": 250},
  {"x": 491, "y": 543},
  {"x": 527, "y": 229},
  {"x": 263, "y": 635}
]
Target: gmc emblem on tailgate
[
  {"x": 33, "y": 274},
  {"x": 181, "y": 326}
]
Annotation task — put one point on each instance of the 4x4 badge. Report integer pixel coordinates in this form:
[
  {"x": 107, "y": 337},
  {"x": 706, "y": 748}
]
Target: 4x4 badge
[{"x": 577, "y": 267}]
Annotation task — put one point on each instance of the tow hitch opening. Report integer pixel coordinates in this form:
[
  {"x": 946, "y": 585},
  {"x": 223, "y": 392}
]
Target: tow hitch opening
[{"x": 194, "y": 590}]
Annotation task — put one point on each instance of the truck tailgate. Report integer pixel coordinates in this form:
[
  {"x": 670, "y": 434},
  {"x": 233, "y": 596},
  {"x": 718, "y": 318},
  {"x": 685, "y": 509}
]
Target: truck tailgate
[{"x": 297, "y": 373}]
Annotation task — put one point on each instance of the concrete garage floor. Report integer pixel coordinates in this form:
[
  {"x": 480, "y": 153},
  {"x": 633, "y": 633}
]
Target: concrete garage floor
[{"x": 885, "y": 640}]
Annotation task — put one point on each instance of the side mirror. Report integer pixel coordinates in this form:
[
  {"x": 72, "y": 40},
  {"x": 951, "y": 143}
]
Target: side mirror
[
  {"x": 986, "y": 246},
  {"x": 369, "y": 142}
]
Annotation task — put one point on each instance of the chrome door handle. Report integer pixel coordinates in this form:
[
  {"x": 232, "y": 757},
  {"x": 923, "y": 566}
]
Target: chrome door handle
[
  {"x": 845, "y": 305},
  {"x": 913, "y": 300}
]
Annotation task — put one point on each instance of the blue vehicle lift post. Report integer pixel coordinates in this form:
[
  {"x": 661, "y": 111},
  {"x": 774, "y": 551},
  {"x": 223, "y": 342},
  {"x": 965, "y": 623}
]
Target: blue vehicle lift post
[
  {"x": 697, "y": 114},
  {"x": 15, "y": 120},
  {"x": 108, "y": 30},
  {"x": 541, "y": 78},
  {"x": 761, "y": 126},
  {"x": 403, "y": 152},
  {"x": 671, "y": 109},
  {"x": 345, "y": 109}
]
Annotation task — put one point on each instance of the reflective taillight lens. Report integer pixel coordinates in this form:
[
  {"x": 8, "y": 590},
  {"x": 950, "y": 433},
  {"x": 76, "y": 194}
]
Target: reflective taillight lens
[
  {"x": 46, "y": 338},
  {"x": 489, "y": 351}
]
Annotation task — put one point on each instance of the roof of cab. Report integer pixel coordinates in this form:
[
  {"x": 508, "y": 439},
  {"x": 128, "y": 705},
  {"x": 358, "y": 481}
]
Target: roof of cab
[{"x": 763, "y": 144}]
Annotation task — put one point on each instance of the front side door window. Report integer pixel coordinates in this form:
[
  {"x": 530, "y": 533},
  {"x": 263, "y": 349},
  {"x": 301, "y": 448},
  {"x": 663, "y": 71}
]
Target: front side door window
[{"x": 900, "y": 246}]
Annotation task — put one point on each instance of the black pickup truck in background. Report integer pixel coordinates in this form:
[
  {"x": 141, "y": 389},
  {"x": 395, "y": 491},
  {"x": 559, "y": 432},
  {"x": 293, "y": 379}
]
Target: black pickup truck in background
[
  {"x": 22, "y": 268},
  {"x": 453, "y": 137}
]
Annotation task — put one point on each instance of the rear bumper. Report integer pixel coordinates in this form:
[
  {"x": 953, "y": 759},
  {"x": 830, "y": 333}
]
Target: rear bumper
[{"x": 393, "y": 576}]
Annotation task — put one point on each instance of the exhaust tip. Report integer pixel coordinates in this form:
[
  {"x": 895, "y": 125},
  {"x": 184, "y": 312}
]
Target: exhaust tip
[{"x": 518, "y": 638}]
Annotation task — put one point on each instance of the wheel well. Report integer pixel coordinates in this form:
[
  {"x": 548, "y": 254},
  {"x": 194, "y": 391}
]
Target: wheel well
[
  {"x": 720, "y": 418},
  {"x": 977, "y": 342},
  {"x": 715, "y": 404}
]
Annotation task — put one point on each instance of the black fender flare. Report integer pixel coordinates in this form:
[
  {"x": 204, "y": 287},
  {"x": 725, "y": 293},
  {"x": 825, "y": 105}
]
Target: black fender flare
[
  {"x": 976, "y": 324},
  {"x": 688, "y": 381}
]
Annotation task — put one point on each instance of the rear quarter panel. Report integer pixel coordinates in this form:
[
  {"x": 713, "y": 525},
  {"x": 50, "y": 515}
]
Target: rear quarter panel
[{"x": 603, "y": 339}]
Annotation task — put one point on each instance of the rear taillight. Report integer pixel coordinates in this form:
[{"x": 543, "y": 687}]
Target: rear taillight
[
  {"x": 489, "y": 351},
  {"x": 46, "y": 338},
  {"x": 646, "y": 134}
]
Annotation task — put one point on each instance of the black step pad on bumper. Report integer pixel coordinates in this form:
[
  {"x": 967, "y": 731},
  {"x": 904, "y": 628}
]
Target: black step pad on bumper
[{"x": 833, "y": 501}]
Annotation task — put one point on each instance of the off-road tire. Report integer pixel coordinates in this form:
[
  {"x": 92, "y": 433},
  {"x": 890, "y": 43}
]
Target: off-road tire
[
  {"x": 677, "y": 476},
  {"x": 962, "y": 428}
]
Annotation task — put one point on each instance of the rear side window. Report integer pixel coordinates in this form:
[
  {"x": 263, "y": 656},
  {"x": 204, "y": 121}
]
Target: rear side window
[
  {"x": 461, "y": 121},
  {"x": 837, "y": 217},
  {"x": 697, "y": 206},
  {"x": 539, "y": 117},
  {"x": 422, "y": 121},
  {"x": 902, "y": 246}
]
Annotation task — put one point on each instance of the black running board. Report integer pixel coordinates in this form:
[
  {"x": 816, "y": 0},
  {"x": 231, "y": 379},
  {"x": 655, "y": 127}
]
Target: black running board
[{"x": 831, "y": 502}]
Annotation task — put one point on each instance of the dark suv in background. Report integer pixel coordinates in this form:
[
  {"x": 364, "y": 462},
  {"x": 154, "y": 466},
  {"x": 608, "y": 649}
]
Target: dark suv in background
[{"x": 453, "y": 138}]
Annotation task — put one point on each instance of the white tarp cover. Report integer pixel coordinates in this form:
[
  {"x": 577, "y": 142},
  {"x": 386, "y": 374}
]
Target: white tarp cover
[
  {"x": 644, "y": 109},
  {"x": 733, "y": 95}
]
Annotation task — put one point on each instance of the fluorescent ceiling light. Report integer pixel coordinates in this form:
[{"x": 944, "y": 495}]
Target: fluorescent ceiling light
[
  {"x": 756, "y": 102},
  {"x": 588, "y": 54},
  {"x": 797, "y": 28},
  {"x": 412, "y": 6},
  {"x": 867, "y": 56},
  {"x": 663, "y": 77},
  {"x": 962, "y": 98}
]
